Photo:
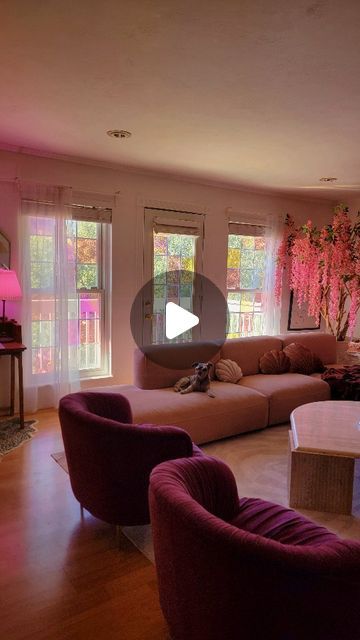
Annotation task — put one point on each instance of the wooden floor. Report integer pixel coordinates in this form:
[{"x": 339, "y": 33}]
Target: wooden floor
[{"x": 60, "y": 577}]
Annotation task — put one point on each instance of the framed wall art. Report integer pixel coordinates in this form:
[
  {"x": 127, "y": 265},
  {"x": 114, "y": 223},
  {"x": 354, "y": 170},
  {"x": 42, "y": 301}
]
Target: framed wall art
[{"x": 298, "y": 319}]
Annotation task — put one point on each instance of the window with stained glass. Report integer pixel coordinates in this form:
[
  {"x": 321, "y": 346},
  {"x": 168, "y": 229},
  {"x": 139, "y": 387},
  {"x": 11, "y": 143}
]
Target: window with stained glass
[
  {"x": 245, "y": 280},
  {"x": 86, "y": 241},
  {"x": 172, "y": 258},
  {"x": 173, "y": 269}
]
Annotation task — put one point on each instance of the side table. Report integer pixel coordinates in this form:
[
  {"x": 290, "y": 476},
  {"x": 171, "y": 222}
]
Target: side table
[{"x": 15, "y": 351}]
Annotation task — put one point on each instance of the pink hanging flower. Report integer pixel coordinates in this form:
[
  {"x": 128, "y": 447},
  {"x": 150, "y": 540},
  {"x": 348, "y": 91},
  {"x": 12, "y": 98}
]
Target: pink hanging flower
[{"x": 324, "y": 269}]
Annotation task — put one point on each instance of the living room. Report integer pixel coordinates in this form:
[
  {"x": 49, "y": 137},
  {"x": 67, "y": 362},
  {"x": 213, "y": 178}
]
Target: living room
[{"x": 236, "y": 114}]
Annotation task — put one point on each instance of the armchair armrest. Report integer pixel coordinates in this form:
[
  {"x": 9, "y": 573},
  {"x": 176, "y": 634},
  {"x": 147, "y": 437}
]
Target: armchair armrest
[{"x": 113, "y": 406}]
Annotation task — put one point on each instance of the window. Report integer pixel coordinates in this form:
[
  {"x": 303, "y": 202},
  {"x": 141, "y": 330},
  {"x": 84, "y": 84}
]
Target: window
[
  {"x": 87, "y": 264},
  {"x": 172, "y": 256},
  {"x": 245, "y": 280},
  {"x": 174, "y": 266}
]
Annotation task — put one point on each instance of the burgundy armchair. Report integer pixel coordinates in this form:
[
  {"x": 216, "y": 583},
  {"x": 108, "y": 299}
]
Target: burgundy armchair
[
  {"x": 245, "y": 568},
  {"x": 110, "y": 459}
]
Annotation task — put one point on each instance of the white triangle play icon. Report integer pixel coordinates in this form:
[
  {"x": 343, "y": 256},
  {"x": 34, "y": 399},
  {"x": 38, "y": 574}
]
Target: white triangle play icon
[{"x": 178, "y": 320}]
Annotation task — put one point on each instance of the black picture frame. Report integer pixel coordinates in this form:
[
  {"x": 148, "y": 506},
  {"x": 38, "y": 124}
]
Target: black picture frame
[
  {"x": 5, "y": 250},
  {"x": 298, "y": 319}
]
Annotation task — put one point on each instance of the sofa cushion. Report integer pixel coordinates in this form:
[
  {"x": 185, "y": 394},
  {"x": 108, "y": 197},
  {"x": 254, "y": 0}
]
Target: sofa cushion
[
  {"x": 248, "y": 351},
  {"x": 234, "y": 410},
  {"x": 302, "y": 360},
  {"x": 322, "y": 344},
  {"x": 279, "y": 523},
  {"x": 228, "y": 371},
  {"x": 286, "y": 392},
  {"x": 274, "y": 362}
]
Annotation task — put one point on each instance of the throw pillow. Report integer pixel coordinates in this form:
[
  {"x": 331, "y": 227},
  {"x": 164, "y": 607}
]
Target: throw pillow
[
  {"x": 228, "y": 371},
  {"x": 302, "y": 360},
  {"x": 274, "y": 362}
]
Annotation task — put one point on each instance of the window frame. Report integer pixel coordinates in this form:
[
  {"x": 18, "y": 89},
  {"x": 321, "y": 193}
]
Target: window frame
[
  {"x": 253, "y": 230},
  {"x": 171, "y": 221},
  {"x": 104, "y": 289},
  {"x": 80, "y": 213}
]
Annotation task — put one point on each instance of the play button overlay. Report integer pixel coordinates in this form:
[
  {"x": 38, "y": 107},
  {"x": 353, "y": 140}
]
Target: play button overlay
[
  {"x": 183, "y": 309},
  {"x": 178, "y": 320}
]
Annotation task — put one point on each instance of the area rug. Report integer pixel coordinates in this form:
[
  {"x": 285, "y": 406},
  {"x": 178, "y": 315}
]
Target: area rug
[
  {"x": 12, "y": 435},
  {"x": 259, "y": 461}
]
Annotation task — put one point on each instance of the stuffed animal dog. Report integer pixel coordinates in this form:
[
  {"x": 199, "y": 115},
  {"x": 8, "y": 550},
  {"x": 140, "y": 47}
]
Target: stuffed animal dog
[{"x": 200, "y": 381}]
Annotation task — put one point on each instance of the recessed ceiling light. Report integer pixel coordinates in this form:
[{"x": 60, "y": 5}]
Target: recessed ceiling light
[
  {"x": 118, "y": 133},
  {"x": 327, "y": 179}
]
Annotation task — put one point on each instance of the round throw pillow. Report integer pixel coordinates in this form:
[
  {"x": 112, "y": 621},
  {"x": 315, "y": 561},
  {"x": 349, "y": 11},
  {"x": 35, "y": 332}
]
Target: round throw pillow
[
  {"x": 274, "y": 362},
  {"x": 302, "y": 360},
  {"x": 228, "y": 371}
]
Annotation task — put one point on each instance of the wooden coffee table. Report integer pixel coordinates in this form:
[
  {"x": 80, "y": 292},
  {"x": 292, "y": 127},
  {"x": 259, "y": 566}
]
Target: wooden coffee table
[{"x": 324, "y": 442}]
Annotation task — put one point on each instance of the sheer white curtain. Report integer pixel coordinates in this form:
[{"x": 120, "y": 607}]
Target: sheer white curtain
[
  {"x": 272, "y": 311},
  {"x": 49, "y": 304}
]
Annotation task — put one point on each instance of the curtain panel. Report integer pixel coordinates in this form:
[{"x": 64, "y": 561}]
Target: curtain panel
[
  {"x": 272, "y": 311},
  {"x": 270, "y": 227},
  {"x": 48, "y": 275}
]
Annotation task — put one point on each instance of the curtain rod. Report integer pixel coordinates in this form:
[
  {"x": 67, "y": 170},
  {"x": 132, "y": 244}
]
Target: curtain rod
[{"x": 72, "y": 206}]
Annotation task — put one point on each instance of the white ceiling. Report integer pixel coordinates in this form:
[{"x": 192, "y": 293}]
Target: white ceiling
[{"x": 262, "y": 94}]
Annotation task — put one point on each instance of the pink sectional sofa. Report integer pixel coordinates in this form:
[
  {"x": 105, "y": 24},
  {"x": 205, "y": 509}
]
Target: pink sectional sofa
[{"x": 257, "y": 401}]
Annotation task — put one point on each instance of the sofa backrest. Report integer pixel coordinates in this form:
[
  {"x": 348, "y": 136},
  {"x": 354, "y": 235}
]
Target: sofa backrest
[
  {"x": 150, "y": 374},
  {"x": 248, "y": 351},
  {"x": 245, "y": 351},
  {"x": 322, "y": 344}
]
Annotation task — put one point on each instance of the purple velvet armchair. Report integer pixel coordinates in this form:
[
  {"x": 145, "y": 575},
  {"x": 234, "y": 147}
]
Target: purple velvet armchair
[
  {"x": 232, "y": 569},
  {"x": 110, "y": 459}
]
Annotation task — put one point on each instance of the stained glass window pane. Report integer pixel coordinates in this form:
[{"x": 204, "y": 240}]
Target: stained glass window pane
[
  {"x": 87, "y": 229},
  {"x": 160, "y": 244},
  {"x": 233, "y": 260},
  {"x": 245, "y": 283},
  {"x": 87, "y": 276},
  {"x": 246, "y": 278},
  {"x": 173, "y": 267},
  {"x": 87, "y": 250},
  {"x": 233, "y": 278}
]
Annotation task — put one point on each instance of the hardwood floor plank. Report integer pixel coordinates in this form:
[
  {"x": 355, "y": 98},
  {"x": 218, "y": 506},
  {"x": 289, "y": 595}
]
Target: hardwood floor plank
[{"x": 62, "y": 578}]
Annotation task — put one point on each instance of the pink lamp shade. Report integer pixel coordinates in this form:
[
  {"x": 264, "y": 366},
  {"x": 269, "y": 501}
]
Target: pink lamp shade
[{"x": 9, "y": 285}]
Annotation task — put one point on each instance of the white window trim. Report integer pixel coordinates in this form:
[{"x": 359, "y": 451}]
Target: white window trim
[
  {"x": 105, "y": 355},
  {"x": 102, "y": 214},
  {"x": 243, "y": 224},
  {"x": 174, "y": 221}
]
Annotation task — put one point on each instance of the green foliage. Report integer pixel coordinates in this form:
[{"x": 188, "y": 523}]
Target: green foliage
[
  {"x": 41, "y": 248},
  {"x": 42, "y": 275},
  {"x": 87, "y": 229},
  {"x": 87, "y": 276}
]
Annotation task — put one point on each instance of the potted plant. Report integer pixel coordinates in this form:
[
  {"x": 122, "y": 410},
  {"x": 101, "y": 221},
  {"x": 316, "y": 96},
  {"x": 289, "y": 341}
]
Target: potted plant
[{"x": 324, "y": 269}]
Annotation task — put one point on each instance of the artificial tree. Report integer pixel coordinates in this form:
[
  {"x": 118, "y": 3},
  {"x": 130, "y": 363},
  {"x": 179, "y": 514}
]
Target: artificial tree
[{"x": 324, "y": 269}]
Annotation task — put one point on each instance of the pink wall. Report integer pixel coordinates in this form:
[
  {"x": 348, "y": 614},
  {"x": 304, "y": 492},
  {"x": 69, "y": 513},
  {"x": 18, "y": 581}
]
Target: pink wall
[{"x": 133, "y": 192}]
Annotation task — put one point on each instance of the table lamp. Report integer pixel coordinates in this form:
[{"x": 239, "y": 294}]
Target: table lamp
[{"x": 9, "y": 290}]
